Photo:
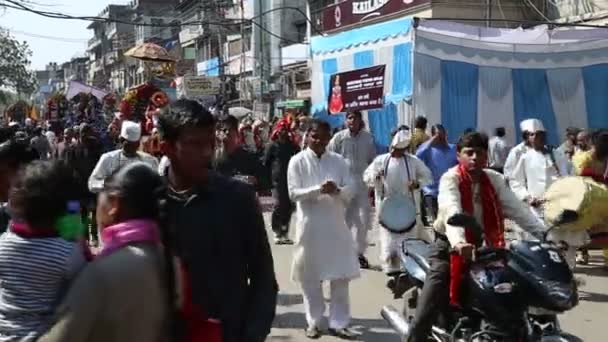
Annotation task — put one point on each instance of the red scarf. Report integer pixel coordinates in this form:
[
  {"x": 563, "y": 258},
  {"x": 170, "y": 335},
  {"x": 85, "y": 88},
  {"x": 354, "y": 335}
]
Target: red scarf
[
  {"x": 493, "y": 224},
  {"x": 493, "y": 218}
]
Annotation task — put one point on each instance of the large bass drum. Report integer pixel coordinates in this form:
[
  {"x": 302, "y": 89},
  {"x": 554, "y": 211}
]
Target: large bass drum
[
  {"x": 586, "y": 197},
  {"x": 397, "y": 213}
]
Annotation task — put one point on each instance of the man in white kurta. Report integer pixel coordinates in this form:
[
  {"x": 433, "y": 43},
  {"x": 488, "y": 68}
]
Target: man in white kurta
[
  {"x": 394, "y": 174},
  {"x": 521, "y": 148},
  {"x": 536, "y": 170},
  {"x": 357, "y": 146},
  {"x": 320, "y": 184}
]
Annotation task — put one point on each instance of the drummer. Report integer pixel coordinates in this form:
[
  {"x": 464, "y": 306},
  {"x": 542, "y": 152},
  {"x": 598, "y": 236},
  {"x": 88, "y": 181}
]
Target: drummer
[
  {"x": 536, "y": 170},
  {"x": 393, "y": 175}
]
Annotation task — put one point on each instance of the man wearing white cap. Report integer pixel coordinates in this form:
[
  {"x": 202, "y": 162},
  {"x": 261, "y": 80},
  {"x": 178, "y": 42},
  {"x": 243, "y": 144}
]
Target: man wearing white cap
[
  {"x": 536, "y": 170},
  {"x": 109, "y": 163},
  {"x": 393, "y": 175},
  {"x": 538, "y": 166},
  {"x": 526, "y": 126}
]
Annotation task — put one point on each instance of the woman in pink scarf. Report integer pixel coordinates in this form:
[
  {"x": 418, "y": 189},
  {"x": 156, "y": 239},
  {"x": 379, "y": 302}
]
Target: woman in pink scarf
[{"x": 123, "y": 295}]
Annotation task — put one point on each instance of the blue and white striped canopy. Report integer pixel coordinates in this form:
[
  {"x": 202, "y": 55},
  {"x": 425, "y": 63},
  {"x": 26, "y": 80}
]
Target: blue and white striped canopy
[
  {"x": 483, "y": 79},
  {"x": 387, "y": 43}
]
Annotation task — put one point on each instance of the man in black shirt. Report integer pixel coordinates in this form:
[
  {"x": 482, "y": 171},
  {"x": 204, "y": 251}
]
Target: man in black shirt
[
  {"x": 218, "y": 228},
  {"x": 277, "y": 157},
  {"x": 232, "y": 160},
  {"x": 83, "y": 157}
]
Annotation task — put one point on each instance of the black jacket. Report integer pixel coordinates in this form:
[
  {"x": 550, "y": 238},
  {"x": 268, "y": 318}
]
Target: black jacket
[
  {"x": 220, "y": 236},
  {"x": 83, "y": 160},
  {"x": 277, "y": 157},
  {"x": 245, "y": 163}
]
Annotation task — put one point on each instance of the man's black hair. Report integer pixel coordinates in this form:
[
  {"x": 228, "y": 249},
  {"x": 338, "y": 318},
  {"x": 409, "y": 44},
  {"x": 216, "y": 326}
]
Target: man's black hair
[
  {"x": 420, "y": 122},
  {"x": 182, "y": 114},
  {"x": 229, "y": 120},
  {"x": 15, "y": 153},
  {"x": 599, "y": 137},
  {"x": 572, "y": 131},
  {"x": 500, "y": 132},
  {"x": 472, "y": 140},
  {"x": 469, "y": 130},
  {"x": 355, "y": 113},
  {"x": 317, "y": 124},
  {"x": 437, "y": 127}
]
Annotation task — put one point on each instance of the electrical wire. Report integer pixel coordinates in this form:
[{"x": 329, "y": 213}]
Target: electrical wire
[
  {"x": 224, "y": 22},
  {"x": 533, "y": 6}
]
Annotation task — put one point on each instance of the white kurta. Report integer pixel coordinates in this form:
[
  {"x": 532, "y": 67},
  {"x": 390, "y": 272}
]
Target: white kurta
[
  {"x": 395, "y": 181},
  {"x": 513, "y": 158},
  {"x": 324, "y": 248},
  {"x": 533, "y": 175}
]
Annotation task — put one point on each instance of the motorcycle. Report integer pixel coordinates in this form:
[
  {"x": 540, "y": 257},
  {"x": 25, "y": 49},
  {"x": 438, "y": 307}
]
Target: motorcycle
[{"x": 509, "y": 294}]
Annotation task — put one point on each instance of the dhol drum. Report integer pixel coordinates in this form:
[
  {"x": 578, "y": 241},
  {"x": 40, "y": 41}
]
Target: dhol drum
[
  {"x": 586, "y": 197},
  {"x": 397, "y": 213}
]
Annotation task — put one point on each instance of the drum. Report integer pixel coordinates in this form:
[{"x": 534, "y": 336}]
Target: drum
[
  {"x": 397, "y": 213},
  {"x": 586, "y": 197}
]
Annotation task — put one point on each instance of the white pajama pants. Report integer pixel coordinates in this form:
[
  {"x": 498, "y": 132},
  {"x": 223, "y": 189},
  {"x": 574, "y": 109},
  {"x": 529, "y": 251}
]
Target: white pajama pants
[
  {"x": 339, "y": 306},
  {"x": 358, "y": 218}
]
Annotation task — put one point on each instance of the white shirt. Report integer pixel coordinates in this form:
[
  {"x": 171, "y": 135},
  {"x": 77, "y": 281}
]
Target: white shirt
[
  {"x": 111, "y": 162},
  {"x": 513, "y": 158},
  {"x": 324, "y": 245},
  {"x": 449, "y": 202},
  {"x": 498, "y": 151},
  {"x": 397, "y": 177},
  {"x": 536, "y": 171},
  {"x": 358, "y": 150},
  {"x": 163, "y": 165}
]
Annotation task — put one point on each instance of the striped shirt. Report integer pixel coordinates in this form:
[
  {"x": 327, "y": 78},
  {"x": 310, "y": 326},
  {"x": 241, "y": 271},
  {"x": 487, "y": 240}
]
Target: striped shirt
[{"x": 34, "y": 273}]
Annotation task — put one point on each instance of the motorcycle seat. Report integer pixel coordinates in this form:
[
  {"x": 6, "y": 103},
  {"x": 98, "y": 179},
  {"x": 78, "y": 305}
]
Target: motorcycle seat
[
  {"x": 414, "y": 256},
  {"x": 420, "y": 260}
]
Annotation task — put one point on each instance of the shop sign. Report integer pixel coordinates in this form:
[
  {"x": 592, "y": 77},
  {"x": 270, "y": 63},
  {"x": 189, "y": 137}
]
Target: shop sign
[
  {"x": 197, "y": 86},
  {"x": 352, "y": 12},
  {"x": 360, "y": 89}
]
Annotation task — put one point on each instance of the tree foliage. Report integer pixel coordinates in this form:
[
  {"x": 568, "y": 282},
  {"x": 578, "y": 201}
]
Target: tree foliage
[{"x": 14, "y": 65}]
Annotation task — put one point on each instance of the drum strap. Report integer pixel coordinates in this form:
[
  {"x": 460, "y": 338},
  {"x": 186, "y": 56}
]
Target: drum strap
[
  {"x": 407, "y": 167},
  {"x": 552, "y": 154}
]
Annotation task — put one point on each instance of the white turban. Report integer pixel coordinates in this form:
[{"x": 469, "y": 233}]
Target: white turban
[
  {"x": 401, "y": 140},
  {"x": 130, "y": 131},
  {"x": 532, "y": 126}
]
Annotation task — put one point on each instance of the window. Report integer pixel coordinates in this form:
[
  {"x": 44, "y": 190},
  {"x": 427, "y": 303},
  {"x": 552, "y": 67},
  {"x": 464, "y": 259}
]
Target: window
[{"x": 301, "y": 32}]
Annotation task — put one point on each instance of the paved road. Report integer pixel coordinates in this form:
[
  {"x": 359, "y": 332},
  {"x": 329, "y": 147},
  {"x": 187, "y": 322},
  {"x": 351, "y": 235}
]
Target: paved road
[{"x": 368, "y": 294}]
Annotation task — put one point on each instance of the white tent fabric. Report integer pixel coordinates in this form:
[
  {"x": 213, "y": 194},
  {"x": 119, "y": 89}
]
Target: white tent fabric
[{"x": 483, "y": 78}]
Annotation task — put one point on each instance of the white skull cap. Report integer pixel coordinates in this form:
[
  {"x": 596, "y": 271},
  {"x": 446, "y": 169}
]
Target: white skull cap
[
  {"x": 532, "y": 125},
  {"x": 402, "y": 139},
  {"x": 130, "y": 131}
]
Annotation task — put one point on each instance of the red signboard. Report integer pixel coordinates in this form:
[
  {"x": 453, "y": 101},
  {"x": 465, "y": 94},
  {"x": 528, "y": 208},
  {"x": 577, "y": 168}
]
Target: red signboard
[
  {"x": 351, "y": 12},
  {"x": 360, "y": 89}
]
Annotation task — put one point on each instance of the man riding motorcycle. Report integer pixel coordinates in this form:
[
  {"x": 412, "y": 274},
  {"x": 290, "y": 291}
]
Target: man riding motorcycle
[{"x": 468, "y": 188}]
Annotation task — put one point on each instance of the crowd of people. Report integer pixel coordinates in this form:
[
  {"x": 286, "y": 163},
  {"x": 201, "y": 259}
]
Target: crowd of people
[{"x": 105, "y": 242}]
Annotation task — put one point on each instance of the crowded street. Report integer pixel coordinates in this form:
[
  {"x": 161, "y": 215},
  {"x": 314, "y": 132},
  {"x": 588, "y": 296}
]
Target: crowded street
[{"x": 288, "y": 170}]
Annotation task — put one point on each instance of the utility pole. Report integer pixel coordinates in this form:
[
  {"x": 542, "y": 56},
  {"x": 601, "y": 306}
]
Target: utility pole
[
  {"x": 489, "y": 13},
  {"x": 243, "y": 59},
  {"x": 220, "y": 57}
]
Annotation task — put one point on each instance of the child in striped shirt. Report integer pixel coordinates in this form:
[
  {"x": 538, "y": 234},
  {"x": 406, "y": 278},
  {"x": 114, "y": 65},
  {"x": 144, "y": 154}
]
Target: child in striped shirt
[{"x": 36, "y": 262}]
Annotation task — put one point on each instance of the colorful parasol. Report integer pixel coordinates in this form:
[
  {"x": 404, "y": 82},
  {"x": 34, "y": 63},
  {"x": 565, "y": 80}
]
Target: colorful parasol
[{"x": 150, "y": 52}]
